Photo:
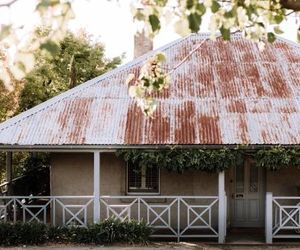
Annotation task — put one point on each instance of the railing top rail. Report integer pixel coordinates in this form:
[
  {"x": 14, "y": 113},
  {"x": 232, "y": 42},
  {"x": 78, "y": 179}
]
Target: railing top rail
[
  {"x": 286, "y": 197},
  {"x": 48, "y": 197},
  {"x": 109, "y": 196},
  {"x": 156, "y": 197}
]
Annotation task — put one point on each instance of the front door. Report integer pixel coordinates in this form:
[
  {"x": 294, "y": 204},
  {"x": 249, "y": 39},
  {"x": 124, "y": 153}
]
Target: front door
[{"x": 247, "y": 195}]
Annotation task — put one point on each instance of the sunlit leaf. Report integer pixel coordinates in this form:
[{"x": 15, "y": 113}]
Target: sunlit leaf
[
  {"x": 181, "y": 27},
  {"x": 139, "y": 16},
  {"x": 278, "y": 18},
  {"x": 5, "y": 78},
  {"x": 200, "y": 8},
  {"x": 161, "y": 57},
  {"x": 25, "y": 61},
  {"x": 277, "y": 30},
  {"x": 5, "y": 31}
]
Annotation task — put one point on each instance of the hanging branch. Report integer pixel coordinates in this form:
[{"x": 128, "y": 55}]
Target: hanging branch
[{"x": 8, "y": 4}]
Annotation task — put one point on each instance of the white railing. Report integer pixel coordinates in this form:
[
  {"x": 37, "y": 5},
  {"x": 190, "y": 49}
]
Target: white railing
[
  {"x": 55, "y": 210},
  {"x": 168, "y": 216},
  {"x": 282, "y": 217}
]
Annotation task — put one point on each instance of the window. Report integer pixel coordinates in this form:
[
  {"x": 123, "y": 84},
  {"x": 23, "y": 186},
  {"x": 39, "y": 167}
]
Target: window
[{"x": 142, "y": 180}]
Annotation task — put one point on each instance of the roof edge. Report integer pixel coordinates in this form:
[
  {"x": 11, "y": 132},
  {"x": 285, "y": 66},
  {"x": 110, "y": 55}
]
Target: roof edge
[{"x": 92, "y": 148}]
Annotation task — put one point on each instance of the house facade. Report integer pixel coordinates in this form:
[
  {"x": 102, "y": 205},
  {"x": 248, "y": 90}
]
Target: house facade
[{"x": 224, "y": 95}]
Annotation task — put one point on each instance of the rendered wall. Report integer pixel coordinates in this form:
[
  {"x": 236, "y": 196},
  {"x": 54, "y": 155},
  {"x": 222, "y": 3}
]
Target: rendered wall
[
  {"x": 72, "y": 174},
  {"x": 283, "y": 182}
]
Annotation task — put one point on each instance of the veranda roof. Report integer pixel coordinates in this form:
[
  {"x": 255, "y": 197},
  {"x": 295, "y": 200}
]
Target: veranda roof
[{"x": 226, "y": 93}]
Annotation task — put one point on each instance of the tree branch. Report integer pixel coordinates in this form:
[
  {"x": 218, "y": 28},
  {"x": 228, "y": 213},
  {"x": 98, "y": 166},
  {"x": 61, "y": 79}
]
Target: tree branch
[
  {"x": 8, "y": 4},
  {"x": 291, "y": 4}
]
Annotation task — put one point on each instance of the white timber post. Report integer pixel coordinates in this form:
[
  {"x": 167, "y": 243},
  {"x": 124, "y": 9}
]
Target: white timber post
[
  {"x": 222, "y": 208},
  {"x": 9, "y": 173},
  {"x": 96, "y": 186},
  {"x": 269, "y": 218}
]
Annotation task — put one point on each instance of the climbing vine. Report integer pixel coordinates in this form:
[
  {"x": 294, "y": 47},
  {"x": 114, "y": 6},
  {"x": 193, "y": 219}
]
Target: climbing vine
[
  {"x": 278, "y": 157},
  {"x": 211, "y": 160}
]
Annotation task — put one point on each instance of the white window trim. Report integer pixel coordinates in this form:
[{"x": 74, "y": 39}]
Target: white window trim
[{"x": 141, "y": 193}]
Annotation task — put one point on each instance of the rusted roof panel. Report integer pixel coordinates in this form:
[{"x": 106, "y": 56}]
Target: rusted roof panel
[{"x": 225, "y": 93}]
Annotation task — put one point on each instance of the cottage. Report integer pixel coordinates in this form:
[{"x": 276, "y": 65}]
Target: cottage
[{"x": 225, "y": 94}]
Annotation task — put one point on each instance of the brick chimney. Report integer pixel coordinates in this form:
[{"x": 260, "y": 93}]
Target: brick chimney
[{"x": 142, "y": 44}]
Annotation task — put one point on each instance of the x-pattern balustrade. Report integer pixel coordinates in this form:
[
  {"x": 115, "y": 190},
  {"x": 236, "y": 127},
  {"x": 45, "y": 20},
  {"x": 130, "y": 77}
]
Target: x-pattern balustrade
[
  {"x": 168, "y": 216},
  {"x": 55, "y": 210},
  {"x": 282, "y": 217}
]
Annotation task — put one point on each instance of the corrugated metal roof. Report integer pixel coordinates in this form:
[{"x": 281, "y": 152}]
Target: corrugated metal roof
[{"x": 225, "y": 93}]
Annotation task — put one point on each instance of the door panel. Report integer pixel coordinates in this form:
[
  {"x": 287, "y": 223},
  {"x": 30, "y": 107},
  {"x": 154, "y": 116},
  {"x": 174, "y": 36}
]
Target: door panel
[
  {"x": 253, "y": 210},
  {"x": 248, "y": 192},
  {"x": 239, "y": 210}
]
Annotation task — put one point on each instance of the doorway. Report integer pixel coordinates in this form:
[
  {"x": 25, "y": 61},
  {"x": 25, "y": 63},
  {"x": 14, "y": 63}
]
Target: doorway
[{"x": 247, "y": 195}]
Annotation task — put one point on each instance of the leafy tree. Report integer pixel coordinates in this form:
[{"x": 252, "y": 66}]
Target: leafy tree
[
  {"x": 76, "y": 60},
  {"x": 6, "y": 102}
]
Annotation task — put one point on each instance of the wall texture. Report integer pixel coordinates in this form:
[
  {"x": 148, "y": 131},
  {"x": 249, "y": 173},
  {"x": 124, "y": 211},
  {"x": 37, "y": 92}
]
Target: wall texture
[
  {"x": 72, "y": 174},
  {"x": 283, "y": 182}
]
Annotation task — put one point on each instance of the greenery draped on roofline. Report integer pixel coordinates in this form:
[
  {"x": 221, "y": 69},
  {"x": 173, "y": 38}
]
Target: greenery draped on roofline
[{"x": 212, "y": 160}]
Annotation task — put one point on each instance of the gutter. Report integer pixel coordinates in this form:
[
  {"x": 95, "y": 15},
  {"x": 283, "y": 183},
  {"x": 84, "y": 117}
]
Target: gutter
[{"x": 113, "y": 148}]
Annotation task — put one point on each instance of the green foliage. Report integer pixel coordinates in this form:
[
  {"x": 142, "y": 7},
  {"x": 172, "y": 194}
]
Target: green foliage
[
  {"x": 76, "y": 60},
  {"x": 253, "y": 18},
  {"x": 2, "y": 167},
  {"x": 225, "y": 33},
  {"x": 6, "y": 102},
  {"x": 278, "y": 157},
  {"x": 106, "y": 232},
  {"x": 215, "y": 6},
  {"x": 194, "y": 21},
  {"x": 155, "y": 23},
  {"x": 271, "y": 37},
  {"x": 113, "y": 230},
  {"x": 36, "y": 169},
  {"x": 51, "y": 46},
  {"x": 22, "y": 234},
  {"x": 212, "y": 160},
  {"x": 208, "y": 160}
]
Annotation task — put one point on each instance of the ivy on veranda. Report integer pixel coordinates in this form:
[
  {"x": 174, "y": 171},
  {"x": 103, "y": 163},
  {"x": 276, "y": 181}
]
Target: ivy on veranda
[{"x": 211, "y": 160}]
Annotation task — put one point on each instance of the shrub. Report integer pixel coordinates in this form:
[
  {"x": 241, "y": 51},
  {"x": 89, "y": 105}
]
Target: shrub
[
  {"x": 22, "y": 234},
  {"x": 108, "y": 231},
  {"x": 135, "y": 232},
  {"x": 58, "y": 234}
]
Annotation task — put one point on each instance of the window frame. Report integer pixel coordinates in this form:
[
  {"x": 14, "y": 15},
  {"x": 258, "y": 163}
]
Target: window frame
[{"x": 141, "y": 193}]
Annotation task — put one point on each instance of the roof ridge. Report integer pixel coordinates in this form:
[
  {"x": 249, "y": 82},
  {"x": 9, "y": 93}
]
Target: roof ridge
[{"x": 56, "y": 99}]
